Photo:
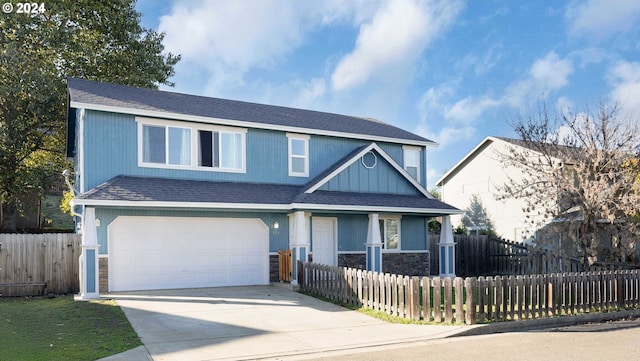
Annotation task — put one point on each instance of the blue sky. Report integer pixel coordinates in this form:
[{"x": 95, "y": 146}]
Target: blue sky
[{"x": 451, "y": 71}]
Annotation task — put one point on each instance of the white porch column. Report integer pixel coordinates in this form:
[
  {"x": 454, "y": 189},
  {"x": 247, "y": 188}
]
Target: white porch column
[
  {"x": 374, "y": 244},
  {"x": 447, "y": 249},
  {"x": 89, "y": 284},
  {"x": 299, "y": 243}
]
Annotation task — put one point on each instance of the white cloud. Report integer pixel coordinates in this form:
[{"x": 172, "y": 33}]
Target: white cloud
[
  {"x": 600, "y": 19},
  {"x": 624, "y": 78},
  {"x": 551, "y": 71},
  {"x": 446, "y": 135},
  {"x": 469, "y": 109},
  {"x": 390, "y": 43},
  {"x": 434, "y": 100},
  {"x": 546, "y": 75},
  {"x": 224, "y": 40},
  {"x": 227, "y": 33},
  {"x": 309, "y": 92}
]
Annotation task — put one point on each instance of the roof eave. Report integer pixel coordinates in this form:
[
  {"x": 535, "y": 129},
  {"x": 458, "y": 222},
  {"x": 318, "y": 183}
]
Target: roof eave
[
  {"x": 245, "y": 123},
  {"x": 264, "y": 207}
]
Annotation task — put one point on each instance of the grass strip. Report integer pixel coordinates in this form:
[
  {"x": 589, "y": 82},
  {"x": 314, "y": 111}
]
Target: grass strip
[{"x": 62, "y": 329}]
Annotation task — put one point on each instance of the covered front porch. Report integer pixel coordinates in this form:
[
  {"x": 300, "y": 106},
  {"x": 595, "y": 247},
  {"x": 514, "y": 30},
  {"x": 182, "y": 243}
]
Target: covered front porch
[{"x": 377, "y": 242}]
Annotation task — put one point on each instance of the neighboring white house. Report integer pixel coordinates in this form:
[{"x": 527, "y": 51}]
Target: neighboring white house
[{"x": 481, "y": 173}]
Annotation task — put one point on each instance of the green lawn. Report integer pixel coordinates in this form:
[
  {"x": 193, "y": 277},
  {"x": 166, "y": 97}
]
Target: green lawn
[{"x": 61, "y": 329}]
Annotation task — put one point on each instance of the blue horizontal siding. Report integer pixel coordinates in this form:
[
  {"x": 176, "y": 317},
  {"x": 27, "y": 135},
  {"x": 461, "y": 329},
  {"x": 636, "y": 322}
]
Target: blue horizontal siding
[{"x": 278, "y": 239}]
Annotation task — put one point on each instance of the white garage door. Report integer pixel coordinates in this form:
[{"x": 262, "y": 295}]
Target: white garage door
[{"x": 170, "y": 252}]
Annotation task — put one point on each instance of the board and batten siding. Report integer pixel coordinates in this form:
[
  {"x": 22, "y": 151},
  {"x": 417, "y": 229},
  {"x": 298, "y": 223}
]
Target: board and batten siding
[
  {"x": 278, "y": 238},
  {"x": 352, "y": 232},
  {"x": 382, "y": 178}
]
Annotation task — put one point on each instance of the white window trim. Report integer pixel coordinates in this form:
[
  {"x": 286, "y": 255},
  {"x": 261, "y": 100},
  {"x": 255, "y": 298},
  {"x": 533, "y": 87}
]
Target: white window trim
[
  {"x": 382, "y": 235},
  {"x": 305, "y": 137},
  {"x": 407, "y": 148},
  {"x": 194, "y": 127}
]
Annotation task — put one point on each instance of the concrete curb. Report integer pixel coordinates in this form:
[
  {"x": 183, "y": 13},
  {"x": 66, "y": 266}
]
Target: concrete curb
[{"x": 525, "y": 325}]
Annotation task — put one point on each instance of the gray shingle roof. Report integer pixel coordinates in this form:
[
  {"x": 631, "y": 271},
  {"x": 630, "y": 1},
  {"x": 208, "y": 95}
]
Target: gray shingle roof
[
  {"x": 372, "y": 200},
  {"x": 145, "y": 189},
  {"x": 140, "y": 99},
  {"x": 128, "y": 188}
]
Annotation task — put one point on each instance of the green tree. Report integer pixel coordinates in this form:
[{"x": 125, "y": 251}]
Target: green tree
[
  {"x": 476, "y": 218},
  {"x": 96, "y": 40}
]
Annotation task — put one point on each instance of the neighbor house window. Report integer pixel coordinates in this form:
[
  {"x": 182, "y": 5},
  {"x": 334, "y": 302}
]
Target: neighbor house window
[
  {"x": 390, "y": 233},
  {"x": 192, "y": 146},
  {"x": 298, "y": 155},
  {"x": 412, "y": 161}
]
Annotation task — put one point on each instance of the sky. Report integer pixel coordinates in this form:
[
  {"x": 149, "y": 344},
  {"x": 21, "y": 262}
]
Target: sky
[{"x": 451, "y": 71}]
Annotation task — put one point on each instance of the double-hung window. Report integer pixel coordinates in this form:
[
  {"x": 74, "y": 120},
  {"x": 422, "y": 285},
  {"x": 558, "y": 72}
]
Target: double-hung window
[
  {"x": 298, "y": 155},
  {"x": 390, "y": 233},
  {"x": 412, "y": 161},
  {"x": 191, "y": 146}
]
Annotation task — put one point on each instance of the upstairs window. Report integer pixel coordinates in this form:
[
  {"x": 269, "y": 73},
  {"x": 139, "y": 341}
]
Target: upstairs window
[
  {"x": 166, "y": 145},
  {"x": 298, "y": 155},
  {"x": 191, "y": 146},
  {"x": 220, "y": 149},
  {"x": 412, "y": 161}
]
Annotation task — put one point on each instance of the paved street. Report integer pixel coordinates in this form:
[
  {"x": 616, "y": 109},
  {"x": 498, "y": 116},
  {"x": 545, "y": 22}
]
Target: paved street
[{"x": 618, "y": 340}]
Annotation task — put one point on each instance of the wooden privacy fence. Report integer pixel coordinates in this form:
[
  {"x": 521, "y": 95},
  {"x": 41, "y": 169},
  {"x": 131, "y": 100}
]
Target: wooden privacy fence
[
  {"x": 489, "y": 256},
  {"x": 285, "y": 262},
  {"x": 474, "y": 300},
  {"x": 34, "y": 264}
]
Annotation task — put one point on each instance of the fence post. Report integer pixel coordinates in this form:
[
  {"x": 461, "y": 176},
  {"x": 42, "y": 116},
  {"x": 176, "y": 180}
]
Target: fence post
[
  {"x": 448, "y": 302},
  {"x": 414, "y": 292},
  {"x": 426, "y": 298},
  {"x": 481, "y": 298},
  {"x": 470, "y": 286},
  {"x": 458, "y": 285},
  {"x": 437, "y": 299}
]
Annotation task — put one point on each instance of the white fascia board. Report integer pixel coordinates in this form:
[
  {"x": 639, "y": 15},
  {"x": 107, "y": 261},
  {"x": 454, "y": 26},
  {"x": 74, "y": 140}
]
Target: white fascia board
[
  {"x": 375, "y": 209},
  {"x": 163, "y": 204},
  {"x": 440, "y": 182},
  {"x": 254, "y": 206},
  {"x": 387, "y": 157},
  {"x": 244, "y": 123}
]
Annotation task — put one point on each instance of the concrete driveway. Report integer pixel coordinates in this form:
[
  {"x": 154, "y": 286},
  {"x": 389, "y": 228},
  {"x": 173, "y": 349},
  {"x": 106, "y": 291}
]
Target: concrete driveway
[{"x": 248, "y": 323}]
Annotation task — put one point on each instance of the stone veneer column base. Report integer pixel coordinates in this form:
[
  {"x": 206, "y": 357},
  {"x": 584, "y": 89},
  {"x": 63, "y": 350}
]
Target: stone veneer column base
[{"x": 405, "y": 263}]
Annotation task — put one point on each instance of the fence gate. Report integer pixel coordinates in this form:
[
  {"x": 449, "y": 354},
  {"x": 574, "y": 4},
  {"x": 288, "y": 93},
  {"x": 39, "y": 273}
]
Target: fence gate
[{"x": 285, "y": 261}]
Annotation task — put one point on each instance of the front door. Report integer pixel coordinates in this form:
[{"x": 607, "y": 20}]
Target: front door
[{"x": 323, "y": 237}]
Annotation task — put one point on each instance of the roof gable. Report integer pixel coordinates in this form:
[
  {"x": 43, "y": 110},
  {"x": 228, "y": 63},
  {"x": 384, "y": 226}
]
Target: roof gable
[
  {"x": 377, "y": 176},
  {"x": 155, "y": 103},
  {"x": 351, "y": 170},
  {"x": 528, "y": 146}
]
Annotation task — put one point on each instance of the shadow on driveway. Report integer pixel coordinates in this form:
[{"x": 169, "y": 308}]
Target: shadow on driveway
[{"x": 254, "y": 322}]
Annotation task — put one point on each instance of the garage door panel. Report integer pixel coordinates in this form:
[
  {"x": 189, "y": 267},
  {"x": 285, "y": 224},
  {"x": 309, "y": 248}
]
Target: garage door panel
[{"x": 172, "y": 252}]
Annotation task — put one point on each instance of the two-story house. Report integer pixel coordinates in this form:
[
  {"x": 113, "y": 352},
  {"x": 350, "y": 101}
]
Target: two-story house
[
  {"x": 181, "y": 191},
  {"x": 481, "y": 173}
]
